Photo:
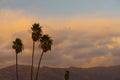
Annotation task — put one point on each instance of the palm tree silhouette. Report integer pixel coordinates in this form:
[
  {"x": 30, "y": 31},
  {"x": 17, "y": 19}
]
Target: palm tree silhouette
[
  {"x": 66, "y": 76},
  {"x": 36, "y": 34},
  {"x": 18, "y": 46},
  {"x": 45, "y": 45}
]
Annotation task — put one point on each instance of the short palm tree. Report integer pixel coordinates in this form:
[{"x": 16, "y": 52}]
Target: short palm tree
[
  {"x": 36, "y": 34},
  {"x": 66, "y": 76},
  {"x": 18, "y": 46},
  {"x": 45, "y": 44}
]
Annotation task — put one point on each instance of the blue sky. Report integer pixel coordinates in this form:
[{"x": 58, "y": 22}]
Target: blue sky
[{"x": 65, "y": 8}]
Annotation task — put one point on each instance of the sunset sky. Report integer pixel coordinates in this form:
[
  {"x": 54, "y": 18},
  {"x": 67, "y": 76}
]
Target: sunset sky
[{"x": 86, "y": 33}]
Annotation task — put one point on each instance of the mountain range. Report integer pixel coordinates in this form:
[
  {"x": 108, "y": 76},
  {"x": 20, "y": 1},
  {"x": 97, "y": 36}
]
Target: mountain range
[{"x": 49, "y": 73}]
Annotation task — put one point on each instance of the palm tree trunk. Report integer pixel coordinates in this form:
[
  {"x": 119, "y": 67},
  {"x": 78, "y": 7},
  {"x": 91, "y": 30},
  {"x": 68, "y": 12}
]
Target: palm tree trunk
[
  {"x": 39, "y": 65},
  {"x": 32, "y": 61},
  {"x": 17, "y": 66}
]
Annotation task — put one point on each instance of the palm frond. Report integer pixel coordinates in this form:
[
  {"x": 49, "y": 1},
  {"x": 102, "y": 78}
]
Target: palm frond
[
  {"x": 18, "y": 45},
  {"x": 36, "y": 31},
  {"x": 46, "y": 43}
]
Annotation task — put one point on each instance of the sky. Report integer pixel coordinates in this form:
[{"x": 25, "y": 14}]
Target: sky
[{"x": 85, "y": 33}]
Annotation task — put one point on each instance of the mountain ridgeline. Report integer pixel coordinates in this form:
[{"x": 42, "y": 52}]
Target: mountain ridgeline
[{"x": 47, "y": 73}]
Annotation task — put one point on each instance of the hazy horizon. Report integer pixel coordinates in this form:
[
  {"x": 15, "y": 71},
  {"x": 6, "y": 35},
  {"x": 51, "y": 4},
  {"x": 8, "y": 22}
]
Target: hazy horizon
[
  {"x": 86, "y": 33},
  {"x": 45, "y": 66}
]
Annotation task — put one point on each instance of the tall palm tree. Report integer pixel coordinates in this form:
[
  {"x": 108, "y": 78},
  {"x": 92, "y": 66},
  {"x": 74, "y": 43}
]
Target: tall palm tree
[
  {"x": 36, "y": 34},
  {"x": 45, "y": 45},
  {"x": 18, "y": 46}
]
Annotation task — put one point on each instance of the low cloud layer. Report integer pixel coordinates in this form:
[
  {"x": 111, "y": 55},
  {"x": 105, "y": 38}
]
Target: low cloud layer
[{"x": 78, "y": 41}]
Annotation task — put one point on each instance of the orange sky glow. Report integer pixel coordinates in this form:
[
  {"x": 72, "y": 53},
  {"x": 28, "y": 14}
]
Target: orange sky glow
[{"x": 83, "y": 41}]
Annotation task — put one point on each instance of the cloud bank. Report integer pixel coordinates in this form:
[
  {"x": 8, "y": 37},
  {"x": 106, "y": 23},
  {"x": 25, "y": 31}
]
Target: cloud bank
[{"x": 78, "y": 41}]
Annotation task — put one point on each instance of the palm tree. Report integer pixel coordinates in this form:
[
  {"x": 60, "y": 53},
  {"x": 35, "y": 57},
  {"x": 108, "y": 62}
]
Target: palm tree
[
  {"x": 18, "y": 46},
  {"x": 45, "y": 45},
  {"x": 36, "y": 34},
  {"x": 66, "y": 76}
]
